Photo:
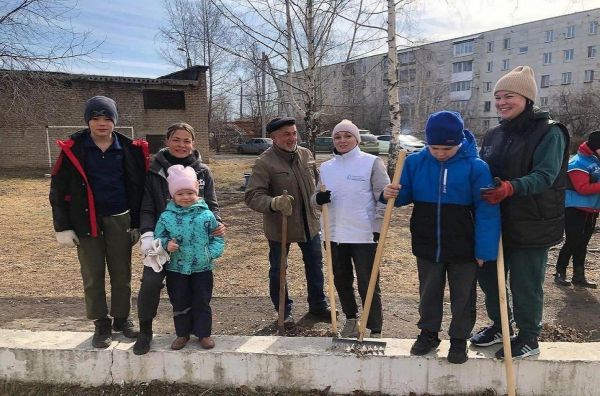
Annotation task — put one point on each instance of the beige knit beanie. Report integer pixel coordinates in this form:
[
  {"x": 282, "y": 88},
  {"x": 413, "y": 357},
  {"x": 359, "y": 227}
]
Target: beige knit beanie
[{"x": 520, "y": 80}]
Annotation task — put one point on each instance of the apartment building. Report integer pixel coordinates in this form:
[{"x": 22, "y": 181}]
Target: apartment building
[{"x": 460, "y": 73}]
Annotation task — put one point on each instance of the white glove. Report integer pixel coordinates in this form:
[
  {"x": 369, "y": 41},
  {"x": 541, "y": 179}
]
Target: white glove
[
  {"x": 67, "y": 238},
  {"x": 156, "y": 256},
  {"x": 146, "y": 242}
]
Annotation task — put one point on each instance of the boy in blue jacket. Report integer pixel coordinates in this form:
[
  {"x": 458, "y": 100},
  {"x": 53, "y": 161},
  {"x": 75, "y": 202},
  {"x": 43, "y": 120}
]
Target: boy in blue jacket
[
  {"x": 453, "y": 230},
  {"x": 185, "y": 229}
]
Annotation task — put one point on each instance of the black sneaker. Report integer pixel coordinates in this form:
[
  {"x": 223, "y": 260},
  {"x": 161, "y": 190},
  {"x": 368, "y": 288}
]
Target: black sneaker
[
  {"x": 321, "y": 313},
  {"x": 425, "y": 343},
  {"x": 142, "y": 344},
  {"x": 561, "y": 280},
  {"x": 102, "y": 334},
  {"x": 458, "y": 351},
  {"x": 488, "y": 336},
  {"x": 584, "y": 283},
  {"x": 125, "y": 325},
  {"x": 521, "y": 348}
]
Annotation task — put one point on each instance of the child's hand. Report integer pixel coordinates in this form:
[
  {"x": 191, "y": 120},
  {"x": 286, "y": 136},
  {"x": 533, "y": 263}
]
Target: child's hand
[
  {"x": 172, "y": 246},
  {"x": 479, "y": 262},
  {"x": 391, "y": 191}
]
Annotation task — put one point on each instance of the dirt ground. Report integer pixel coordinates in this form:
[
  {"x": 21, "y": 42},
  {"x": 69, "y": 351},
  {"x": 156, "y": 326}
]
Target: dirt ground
[{"x": 40, "y": 287}]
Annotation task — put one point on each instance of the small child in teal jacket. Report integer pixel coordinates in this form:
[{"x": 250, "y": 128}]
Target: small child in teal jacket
[{"x": 185, "y": 229}]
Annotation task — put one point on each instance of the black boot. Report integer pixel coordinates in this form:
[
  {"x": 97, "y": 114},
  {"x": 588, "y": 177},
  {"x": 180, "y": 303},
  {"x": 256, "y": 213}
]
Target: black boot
[
  {"x": 125, "y": 325},
  {"x": 458, "y": 351},
  {"x": 103, "y": 334},
  {"x": 560, "y": 278},
  {"x": 579, "y": 278},
  {"x": 142, "y": 345},
  {"x": 425, "y": 343}
]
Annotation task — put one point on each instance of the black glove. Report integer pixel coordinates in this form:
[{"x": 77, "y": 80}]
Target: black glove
[
  {"x": 323, "y": 197},
  {"x": 376, "y": 237}
]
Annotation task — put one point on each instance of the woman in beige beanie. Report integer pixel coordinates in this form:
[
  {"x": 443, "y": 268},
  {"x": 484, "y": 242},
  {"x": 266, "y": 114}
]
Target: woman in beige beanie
[{"x": 527, "y": 155}]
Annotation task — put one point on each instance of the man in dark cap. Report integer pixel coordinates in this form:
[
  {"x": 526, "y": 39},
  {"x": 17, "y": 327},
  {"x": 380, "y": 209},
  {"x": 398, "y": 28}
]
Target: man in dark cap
[
  {"x": 286, "y": 166},
  {"x": 96, "y": 192}
]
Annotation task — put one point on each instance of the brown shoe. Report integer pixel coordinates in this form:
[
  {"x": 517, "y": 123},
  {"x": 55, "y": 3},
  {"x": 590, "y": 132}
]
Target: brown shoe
[
  {"x": 207, "y": 342},
  {"x": 179, "y": 343}
]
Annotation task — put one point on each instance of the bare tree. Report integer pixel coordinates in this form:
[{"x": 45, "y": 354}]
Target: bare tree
[{"x": 578, "y": 111}]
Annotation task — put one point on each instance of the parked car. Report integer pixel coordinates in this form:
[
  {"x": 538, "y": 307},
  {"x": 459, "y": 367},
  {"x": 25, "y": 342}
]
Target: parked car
[
  {"x": 323, "y": 144},
  {"x": 369, "y": 143},
  {"x": 254, "y": 146},
  {"x": 407, "y": 142},
  {"x": 384, "y": 143}
]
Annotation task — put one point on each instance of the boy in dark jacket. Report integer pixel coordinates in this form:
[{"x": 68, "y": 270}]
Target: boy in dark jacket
[
  {"x": 95, "y": 192},
  {"x": 453, "y": 230}
]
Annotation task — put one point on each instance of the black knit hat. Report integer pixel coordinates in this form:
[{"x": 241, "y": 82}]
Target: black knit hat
[
  {"x": 279, "y": 122},
  {"x": 100, "y": 106},
  {"x": 593, "y": 141}
]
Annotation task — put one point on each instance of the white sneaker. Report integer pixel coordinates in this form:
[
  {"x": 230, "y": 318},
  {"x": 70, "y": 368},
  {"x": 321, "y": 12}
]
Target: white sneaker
[{"x": 350, "y": 328}]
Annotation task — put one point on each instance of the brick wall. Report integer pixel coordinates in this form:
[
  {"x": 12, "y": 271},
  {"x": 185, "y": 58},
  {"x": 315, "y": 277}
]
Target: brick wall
[{"x": 58, "y": 99}]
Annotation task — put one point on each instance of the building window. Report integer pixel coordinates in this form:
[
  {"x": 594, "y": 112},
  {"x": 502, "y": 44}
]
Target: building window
[
  {"x": 486, "y": 124},
  {"x": 460, "y": 86},
  {"x": 569, "y": 54},
  {"x": 545, "y": 81},
  {"x": 549, "y": 36},
  {"x": 506, "y": 43},
  {"x": 570, "y": 32},
  {"x": 505, "y": 64},
  {"x": 364, "y": 69},
  {"x": 490, "y": 66},
  {"x": 406, "y": 58},
  {"x": 163, "y": 99},
  {"x": 589, "y": 76},
  {"x": 594, "y": 27},
  {"x": 487, "y": 86},
  {"x": 523, "y": 50},
  {"x": 464, "y": 48},
  {"x": 490, "y": 46},
  {"x": 547, "y": 58},
  {"x": 407, "y": 75},
  {"x": 592, "y": 51},
  {"x": 544, "y": 101},
  {"x": 459, "y": 67},
  {"x": 487, "y": 106},
  {"x": 565, "y": 78}
]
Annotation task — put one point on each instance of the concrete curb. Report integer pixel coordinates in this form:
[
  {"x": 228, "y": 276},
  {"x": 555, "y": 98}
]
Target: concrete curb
[{"x": 295, "y": 363}]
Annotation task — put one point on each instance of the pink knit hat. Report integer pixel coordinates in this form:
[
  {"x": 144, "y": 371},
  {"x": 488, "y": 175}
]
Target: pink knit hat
[
  {"x": 346, "y": 126},
  {"x": 181, "y": 178}
]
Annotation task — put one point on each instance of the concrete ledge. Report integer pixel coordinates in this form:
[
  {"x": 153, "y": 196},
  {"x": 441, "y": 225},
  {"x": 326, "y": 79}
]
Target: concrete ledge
[{"x": 297, "y": 363}]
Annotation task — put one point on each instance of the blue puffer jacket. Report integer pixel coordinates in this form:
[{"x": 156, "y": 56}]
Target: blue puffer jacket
[
  {"x": 450, "y": 222},
  {"x": 191, "y": 228}
]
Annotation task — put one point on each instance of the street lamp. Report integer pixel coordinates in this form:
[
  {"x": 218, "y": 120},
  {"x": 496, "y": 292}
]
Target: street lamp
[{"x": 188, "y": 61}]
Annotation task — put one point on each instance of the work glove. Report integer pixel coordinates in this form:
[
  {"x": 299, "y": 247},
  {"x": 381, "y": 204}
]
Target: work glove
[
  {"x": 283, "y": 204},
  {"x": 376, "y": 236},
  {"x": 323, "y": 197},
  {"x": 503, "y": 189},
  {"x": 134, "y": 233},
  {"x": 67, "y": 238},
  {"x": 146, "y": 242}
]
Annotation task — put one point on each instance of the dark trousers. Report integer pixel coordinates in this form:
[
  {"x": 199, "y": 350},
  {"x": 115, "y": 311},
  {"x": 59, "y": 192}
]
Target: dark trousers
[
  {"x": 190, "y": 297},
  {"x": 526, "y": 268},
  {"x": 149, "y": 294},
  {"x": 110, "y": 250},
  {"x": 313, "y": 269},
  {"x": 362, "y": 255},
  {"x": 462, "y": 283},
  {"x": 579, "y": 227}
]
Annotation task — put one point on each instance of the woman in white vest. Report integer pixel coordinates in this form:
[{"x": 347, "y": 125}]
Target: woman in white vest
[{"x": 354, "y": 181}]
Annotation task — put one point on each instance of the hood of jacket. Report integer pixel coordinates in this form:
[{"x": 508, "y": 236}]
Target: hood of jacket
[{"x": 160, "y": 163}]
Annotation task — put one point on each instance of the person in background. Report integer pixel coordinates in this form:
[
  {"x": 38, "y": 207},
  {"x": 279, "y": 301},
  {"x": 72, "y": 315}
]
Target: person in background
[
  {"x": 285, "y": 166},
  {"x": 527, "y": 154},
  {"x": 179, "y": 150},
  {"x": 95, "y": 193},
  {"x": 453, "y": 230},
  {"x": 184, "y": 230},
  {"x": 582, "y": 203},
  {"x": 354, "y": 182}
]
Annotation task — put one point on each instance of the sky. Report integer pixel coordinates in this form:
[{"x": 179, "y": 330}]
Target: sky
[{"x": 127, "y": 29}]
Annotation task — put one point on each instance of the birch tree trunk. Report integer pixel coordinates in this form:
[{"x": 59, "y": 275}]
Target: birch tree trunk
[{"x": 392, "y": 88}]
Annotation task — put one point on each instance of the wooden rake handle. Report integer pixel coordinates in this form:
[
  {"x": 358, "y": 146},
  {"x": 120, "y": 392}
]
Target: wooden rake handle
[
  {"x": 508, "y": 363},
  {"x": 379, "y": 253},
  {"x": 282, "y": 273},
  {"x": 329, "y": 262}
]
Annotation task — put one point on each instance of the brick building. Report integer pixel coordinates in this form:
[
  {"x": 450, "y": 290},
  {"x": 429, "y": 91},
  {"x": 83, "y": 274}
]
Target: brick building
[{"x": 40, "y": 107}]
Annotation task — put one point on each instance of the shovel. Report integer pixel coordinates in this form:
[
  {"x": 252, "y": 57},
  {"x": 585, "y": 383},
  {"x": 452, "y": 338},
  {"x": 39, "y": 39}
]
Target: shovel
[
  {"x": 282, "y": 274},
  {"x": 360, "y": 346},
  {"x": 510, "y": 373},
  {"x": 325, "y": 211}
]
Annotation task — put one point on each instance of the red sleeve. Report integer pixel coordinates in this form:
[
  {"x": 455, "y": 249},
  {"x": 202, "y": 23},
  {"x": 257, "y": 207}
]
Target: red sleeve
[{"x": 581, "y": 182}]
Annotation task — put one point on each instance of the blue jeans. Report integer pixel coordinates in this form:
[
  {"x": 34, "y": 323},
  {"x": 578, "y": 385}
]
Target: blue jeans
[{"x": 313, "y": 269}]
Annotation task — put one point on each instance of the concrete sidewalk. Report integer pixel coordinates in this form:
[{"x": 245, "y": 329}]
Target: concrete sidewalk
[{"x": 294, "y": 363}]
